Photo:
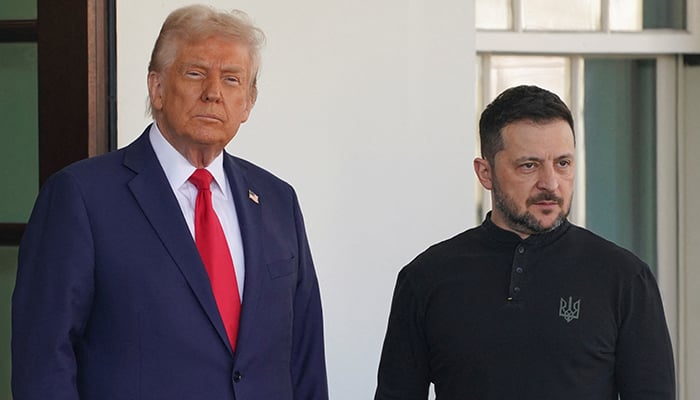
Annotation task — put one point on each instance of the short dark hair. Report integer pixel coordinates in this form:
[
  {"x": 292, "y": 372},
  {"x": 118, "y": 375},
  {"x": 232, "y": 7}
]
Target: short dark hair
[{"x": 519, "y": 103}]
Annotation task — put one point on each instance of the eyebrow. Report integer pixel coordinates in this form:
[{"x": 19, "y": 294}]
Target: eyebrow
[
  {"x": 538, "y": 159},
  {"x": 203, "y": 65}
]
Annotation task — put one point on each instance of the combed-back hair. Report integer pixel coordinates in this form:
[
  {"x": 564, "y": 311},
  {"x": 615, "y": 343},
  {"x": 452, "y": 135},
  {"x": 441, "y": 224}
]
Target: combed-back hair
[
  {"x": 519, "y": 103},
  {"x": 197, "y": 22}
]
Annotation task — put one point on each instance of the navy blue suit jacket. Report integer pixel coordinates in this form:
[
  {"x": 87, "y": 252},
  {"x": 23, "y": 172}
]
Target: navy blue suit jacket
[{"x": 112, "y": 300}]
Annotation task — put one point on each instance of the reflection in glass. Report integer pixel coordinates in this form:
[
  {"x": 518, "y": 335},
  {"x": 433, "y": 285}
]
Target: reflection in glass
[
  {"x": 664, "y": 14},
  {"x": 18, "y": 9},
  {"x": 19, "y": 154},
  {"x": 620, "y": 120},
  {"x": 493, "y": 14},
  {"x": 625, "y": 15},
  {"x": 583, "y": 15},
  {"x": 551, "y": 73},
  {"x": 570, "y": 15}
]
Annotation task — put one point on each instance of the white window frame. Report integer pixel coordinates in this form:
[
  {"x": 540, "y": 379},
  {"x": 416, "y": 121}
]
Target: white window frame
[
  {"x": 666, "y": 46},
  {"x": 647, "y": 42}
]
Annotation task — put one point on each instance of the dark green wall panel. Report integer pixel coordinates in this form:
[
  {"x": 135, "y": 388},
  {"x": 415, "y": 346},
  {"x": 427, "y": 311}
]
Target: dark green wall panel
[
  {"x": 19, "y": 148},
  {"x": 17, "y": 9},
  {"x": 8, "y": 268}
]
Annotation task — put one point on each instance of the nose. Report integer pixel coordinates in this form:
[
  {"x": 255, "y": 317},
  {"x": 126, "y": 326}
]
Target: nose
[
  {"x": 547, "y": 179},
  {"x": 212, "y": 91}
]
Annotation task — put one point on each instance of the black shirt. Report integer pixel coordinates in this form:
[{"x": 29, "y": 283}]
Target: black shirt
[{"x": 562, "y": 315}]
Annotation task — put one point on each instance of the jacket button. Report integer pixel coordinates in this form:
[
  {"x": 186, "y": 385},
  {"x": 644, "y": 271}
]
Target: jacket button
[{"x": 237, "y": 376}]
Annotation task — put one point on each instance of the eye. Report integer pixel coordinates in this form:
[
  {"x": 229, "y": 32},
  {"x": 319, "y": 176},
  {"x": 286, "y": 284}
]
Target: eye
[
  {"x": 232, "y": 80},
  {"x": 564, "y": 163},
  {"x": 194, "y": 74},
  {"x": 528, "y": 167}
]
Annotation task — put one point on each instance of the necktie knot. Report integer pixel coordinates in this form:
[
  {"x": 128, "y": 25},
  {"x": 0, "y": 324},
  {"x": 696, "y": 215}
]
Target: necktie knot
[{"x": 201, "y": 178}]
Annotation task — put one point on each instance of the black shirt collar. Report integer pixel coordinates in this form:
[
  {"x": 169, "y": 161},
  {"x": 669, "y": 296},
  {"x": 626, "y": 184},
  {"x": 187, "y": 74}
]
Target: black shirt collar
[{"x": 501, "y": 236}]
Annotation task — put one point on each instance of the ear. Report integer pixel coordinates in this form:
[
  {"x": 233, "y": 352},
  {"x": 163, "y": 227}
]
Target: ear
[
  {"x": 155, "y": 90},
  {"x": 483, "y": 171},
  {"x": 252, "y": 96},
  {"x": 248, "y": 108}
]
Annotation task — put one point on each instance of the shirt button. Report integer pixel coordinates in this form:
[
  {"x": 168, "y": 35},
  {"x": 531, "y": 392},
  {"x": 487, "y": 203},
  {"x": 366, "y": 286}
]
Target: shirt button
[
  {"x": 516, "y": 289},
  {"x": 519, "y": 270},
  {"x": 237, "y": 376},
  {"x": 521, "y": 249}
]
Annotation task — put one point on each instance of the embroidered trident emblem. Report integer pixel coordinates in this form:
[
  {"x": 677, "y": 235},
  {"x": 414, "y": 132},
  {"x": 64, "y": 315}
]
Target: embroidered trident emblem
[{"x": 569, "y": 310}]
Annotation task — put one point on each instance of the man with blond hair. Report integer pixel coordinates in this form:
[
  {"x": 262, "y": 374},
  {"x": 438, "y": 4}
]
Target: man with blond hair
[{"x": 171, "y": 269}]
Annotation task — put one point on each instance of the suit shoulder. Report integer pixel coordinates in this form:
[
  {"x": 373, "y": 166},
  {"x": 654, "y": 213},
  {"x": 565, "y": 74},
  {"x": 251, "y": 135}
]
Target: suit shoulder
[
  {"x": 101, "y": 168},
  {"x": 257, "y": 172},
  {"x": 112, "y": 158}
]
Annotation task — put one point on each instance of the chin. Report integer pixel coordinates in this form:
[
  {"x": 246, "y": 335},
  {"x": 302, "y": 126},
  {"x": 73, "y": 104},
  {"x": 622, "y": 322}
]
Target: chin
[
  {"x": 210, "y": 138},
  {"x": 553, "y": 221}
]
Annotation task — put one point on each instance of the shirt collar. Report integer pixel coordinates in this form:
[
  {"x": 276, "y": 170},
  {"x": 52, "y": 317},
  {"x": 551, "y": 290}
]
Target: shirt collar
[
  {"x": 503, "y": 236},
  {"x": 176, "y": 167}
]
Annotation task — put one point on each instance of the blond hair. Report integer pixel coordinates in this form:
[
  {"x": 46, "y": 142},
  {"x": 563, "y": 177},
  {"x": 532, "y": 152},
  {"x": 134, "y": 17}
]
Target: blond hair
[{"x": 197, "y": 22}]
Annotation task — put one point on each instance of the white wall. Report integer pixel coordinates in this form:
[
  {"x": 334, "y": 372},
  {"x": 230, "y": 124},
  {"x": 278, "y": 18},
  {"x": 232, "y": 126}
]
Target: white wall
[{"x": 367, "y": 109}]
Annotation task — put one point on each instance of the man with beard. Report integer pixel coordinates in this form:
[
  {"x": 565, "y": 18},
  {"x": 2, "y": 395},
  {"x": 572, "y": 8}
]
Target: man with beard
[{"x": 527, "y": 305}]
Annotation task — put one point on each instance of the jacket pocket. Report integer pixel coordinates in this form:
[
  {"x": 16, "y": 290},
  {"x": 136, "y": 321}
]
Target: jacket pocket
[{"x": 282, "y": 268}]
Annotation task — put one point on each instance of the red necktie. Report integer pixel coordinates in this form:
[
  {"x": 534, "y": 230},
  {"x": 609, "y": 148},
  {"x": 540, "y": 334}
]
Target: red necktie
[{"x": 213, "y": 248}]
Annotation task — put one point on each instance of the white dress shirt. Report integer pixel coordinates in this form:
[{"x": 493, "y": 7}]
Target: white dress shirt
[{"x": 178, "y": 171}]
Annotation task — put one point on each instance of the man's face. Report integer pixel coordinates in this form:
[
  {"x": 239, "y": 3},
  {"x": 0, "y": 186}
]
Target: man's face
[
  {"x": 532, "y": 180},
  {"x": 202, "y": 98}
]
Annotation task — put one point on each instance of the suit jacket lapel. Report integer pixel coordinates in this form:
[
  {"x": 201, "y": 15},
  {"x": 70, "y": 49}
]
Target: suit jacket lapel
[
  {"x": 154, "y": 195},
  {"x": 249, "y": 218}
]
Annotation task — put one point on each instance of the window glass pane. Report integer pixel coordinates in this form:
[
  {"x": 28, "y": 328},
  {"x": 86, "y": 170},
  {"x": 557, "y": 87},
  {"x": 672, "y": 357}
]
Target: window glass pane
[
  {"x": 620, "y": 120},
  {"x": 579, "y": 15},
  {"x": 18, "y": 9},
  {"x": 660, "y": 14},
  {"x": 548, "y": 72},
  {"x": 8, "y": 268},
  {"x": 551, "y": 73},
  {"x": 635, "y": 15},
  {"x": 493, "y": 14},
  {"x": 19, "y": 154},
  {"x": 620, "y": 139},
  {"x": 625, "y": 15}
]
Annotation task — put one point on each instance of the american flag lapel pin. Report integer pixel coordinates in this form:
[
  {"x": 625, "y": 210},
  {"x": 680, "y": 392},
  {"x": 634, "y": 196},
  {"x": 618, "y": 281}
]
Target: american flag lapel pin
[{"x": 253, "y": 197}]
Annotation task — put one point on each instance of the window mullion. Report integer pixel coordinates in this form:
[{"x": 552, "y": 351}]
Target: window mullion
[
  {"x": 483, "y": 195},
  {"x": 605, "y": 15},
  {"x": 667, "y": 189},
  {"x": 517, "y": 11},
  {"x": 576, "y": 99}
]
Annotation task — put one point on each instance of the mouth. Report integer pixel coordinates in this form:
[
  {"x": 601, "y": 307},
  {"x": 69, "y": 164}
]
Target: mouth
[
  {"x": 209, "y": 117},
  {"x": 546, "y": 207},
  {"x": 545, "y": 200}
]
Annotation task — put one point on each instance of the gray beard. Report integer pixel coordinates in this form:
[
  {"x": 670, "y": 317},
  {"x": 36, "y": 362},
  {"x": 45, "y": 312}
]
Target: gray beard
[{"x": 526, "y": 222}]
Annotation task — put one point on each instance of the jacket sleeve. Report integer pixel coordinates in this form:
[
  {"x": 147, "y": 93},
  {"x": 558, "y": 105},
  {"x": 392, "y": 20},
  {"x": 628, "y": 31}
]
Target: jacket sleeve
[
  {"x": 403, "y": 367},
  {"x": 644, "y": 367},
  {"x": 308, "y": 354},
  {"x": 53, "y": 294}
]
